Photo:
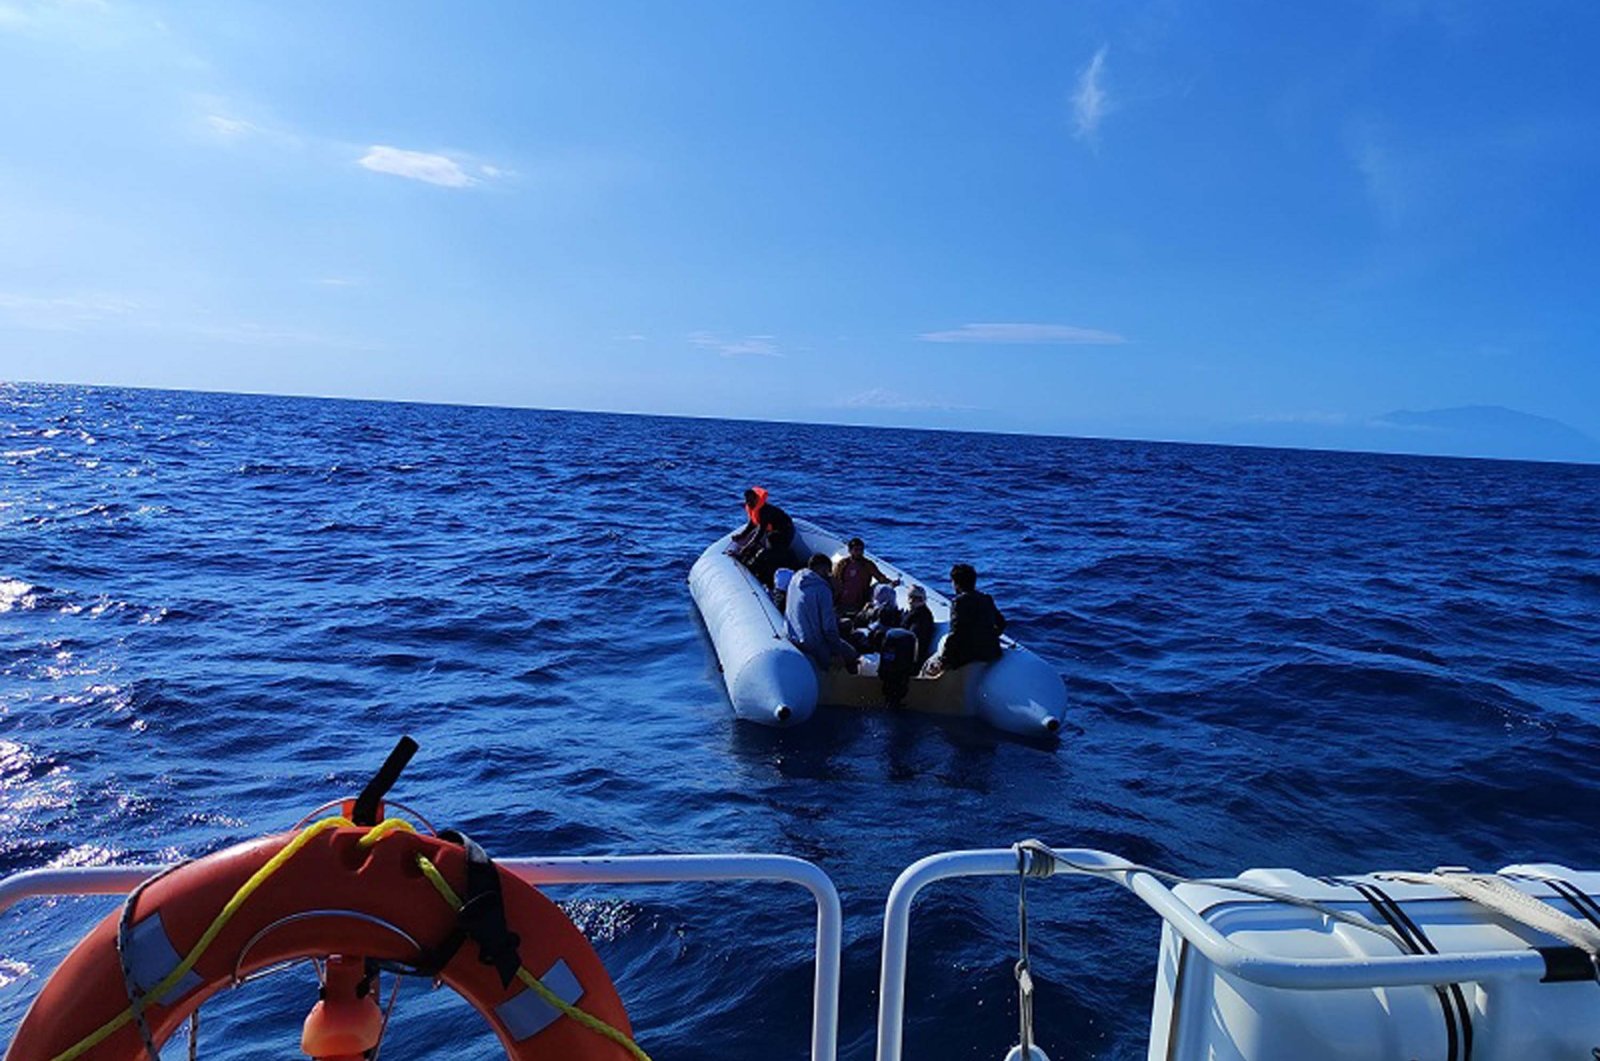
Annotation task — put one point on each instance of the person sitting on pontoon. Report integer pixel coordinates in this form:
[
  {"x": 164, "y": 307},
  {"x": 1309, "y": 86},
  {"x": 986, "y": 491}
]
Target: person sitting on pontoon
[
  {"x": 853, "y": 577},
  {"x": 975, "y": 625},
  {"x": 812, "y": 624},
  {"x": 764, "y": 544}
]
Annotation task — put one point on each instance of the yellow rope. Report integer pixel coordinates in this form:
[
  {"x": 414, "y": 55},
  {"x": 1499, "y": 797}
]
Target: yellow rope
[
  {"x": 385, "y": 828},
  {"x": 533, "y": 983}
]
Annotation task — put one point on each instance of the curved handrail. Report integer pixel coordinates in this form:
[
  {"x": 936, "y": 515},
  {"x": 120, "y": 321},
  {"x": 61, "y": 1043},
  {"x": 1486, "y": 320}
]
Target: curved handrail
[
  {"x": 782, "y": 868},
  {"x": 1302, "y": 974},
  {"x": 632, "y": 869}
]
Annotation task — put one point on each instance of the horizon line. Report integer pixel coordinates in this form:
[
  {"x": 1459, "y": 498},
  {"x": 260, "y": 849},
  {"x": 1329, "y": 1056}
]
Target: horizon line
[{"x": 998, "y": 432}]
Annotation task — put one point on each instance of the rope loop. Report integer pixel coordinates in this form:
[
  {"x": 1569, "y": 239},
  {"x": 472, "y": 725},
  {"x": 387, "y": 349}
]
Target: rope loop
[
  {"x": 1026, "y": 867},
  {"x": 1034, "y": 858},
  {"x": 136, "y": 994}
]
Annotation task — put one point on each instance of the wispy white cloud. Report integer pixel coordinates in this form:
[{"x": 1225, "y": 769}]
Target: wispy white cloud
[
  {"x": 1317, "y": 418},
  {"x": 1030, "y": 334},
  {"x": 120, "y": 314},
  {"x": 220, "y": 118},
  {"x": 1090, "y": 101},
  {"x": 64, "y": 312},
  {"x": 418, "y": 166},
  {"x": 21, "y": 13},
  {"x": 893, "y": 401},
  {"x": 90, "y": 24},
  {"x": 229, "y": 128},
  {"x": 1388, "y": 177},
  {"x": 236, "y": 123},
  {"x": 245, "y": 124},
  {"x": 1438, "y": 181},
  {"x": 746, "y": 346},
  {"x": 255, "y": 333}
]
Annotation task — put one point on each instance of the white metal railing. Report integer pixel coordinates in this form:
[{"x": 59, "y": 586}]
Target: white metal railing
[
  {"x": 1305, "y": 974},
  {"x": 1308, "y": 974},
  {"x": 634, "y": 869},
  {"x": 661, "y": 868}
]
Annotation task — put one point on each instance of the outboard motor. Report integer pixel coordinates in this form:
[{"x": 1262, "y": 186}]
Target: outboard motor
[{"x": 897, "y": 663}]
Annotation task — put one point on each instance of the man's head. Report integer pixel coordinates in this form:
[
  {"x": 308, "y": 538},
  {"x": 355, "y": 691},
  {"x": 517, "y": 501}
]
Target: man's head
[
  {"x": 963, "y": 577},
  {"x": 821, "y": 564},
  {"x": 751, "y": 497},
  {"x": 857, "y": 547},
  {"x": 918, "y": 595}
]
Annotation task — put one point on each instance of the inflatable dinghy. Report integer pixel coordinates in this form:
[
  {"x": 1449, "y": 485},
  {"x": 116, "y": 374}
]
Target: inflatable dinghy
[{"x": 770, "y": 681}]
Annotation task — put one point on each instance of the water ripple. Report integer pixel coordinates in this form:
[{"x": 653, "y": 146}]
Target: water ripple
[{"x": 217, "y": 611}]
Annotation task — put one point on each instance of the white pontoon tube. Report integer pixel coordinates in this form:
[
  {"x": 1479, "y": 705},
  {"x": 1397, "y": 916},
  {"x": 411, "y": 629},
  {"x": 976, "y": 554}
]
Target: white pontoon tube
[
  {"x": 768, "y": 679},
  {"x": 771, "y": 682}
]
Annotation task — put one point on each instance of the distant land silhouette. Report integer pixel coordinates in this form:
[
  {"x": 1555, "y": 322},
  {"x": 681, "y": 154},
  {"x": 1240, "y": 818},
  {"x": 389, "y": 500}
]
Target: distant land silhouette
[{"x": 1463, "y": 431}]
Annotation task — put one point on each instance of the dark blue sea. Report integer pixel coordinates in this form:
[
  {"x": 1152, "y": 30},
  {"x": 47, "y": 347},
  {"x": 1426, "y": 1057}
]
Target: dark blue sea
[{"x": 217, "y": 611}]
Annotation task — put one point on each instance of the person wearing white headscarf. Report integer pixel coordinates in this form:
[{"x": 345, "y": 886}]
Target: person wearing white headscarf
[{"x": 919, "y": 620}]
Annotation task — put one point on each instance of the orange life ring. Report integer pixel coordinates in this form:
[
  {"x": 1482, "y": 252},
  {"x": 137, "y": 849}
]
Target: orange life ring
[{"x": 331, "y": 896}]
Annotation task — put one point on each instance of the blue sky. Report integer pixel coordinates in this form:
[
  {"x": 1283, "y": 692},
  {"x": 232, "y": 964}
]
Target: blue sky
[{"x": 1163, "y": 219}]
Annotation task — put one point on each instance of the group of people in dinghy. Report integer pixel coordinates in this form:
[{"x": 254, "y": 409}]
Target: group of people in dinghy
[{"x": 838, "y": 610}]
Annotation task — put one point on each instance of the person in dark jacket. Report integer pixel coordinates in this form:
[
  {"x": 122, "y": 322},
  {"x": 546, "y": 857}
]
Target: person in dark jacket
[
  {"x": 975, "y": 624},
  {"x": 765, "y": 544},
  {"x": 919, "y": 620}
]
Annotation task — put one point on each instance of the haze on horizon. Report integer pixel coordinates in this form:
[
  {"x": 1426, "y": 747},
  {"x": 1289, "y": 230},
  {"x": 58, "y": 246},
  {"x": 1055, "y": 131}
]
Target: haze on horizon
[{"x": 1366, "y": 226}]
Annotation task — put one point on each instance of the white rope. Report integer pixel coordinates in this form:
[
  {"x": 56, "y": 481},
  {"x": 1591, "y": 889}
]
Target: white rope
[
  {"x": 394, "y": 992},
  {"x": 1023, "y": 970},
  {"x": 1495, "y": 893},
  {"x": 1343, "y": 916}
]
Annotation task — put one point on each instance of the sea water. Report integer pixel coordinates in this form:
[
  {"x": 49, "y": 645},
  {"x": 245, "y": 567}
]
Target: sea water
[{"x": 217, "y": 611}]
